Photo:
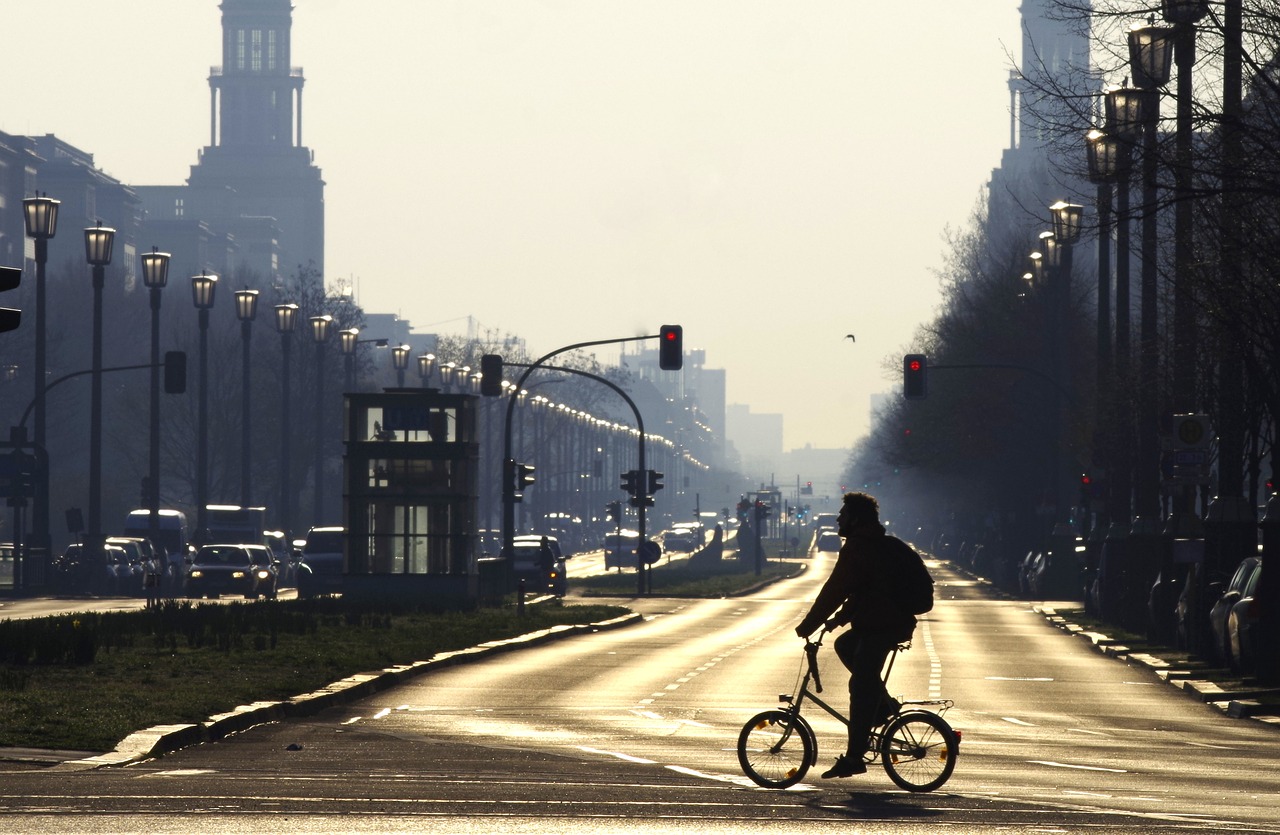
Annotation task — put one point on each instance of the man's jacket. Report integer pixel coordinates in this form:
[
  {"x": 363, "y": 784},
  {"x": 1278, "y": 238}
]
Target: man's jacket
[{"x": 860, "y": 587}]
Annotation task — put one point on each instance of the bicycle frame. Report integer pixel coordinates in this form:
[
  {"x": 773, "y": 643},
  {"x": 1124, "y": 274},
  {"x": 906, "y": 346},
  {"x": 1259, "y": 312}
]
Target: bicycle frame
[{"x": 796, "y": 701}]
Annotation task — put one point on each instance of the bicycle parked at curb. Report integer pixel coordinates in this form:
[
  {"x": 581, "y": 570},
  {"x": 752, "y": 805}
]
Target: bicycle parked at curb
[{"x": 916, "y": 745}]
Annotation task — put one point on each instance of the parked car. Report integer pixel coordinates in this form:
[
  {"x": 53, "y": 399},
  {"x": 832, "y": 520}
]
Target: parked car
[
  {"x": 1220, "y": 647},
  {"x": 538, "y": 561},
  {"x": 132, "y": 573},
  {"x": 1057, "y": 576},
  {"x": 1242, "y": 624},
  {"x": 225, "y": 569},
  {"x": 78, "y": 572},
  {"x": 6, "y": 564},
  {"x": 320, "y": 569}
]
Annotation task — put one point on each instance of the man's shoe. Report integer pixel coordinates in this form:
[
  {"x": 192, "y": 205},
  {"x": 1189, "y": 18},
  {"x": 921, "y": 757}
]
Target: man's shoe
[{"x": 846, "y": 766}]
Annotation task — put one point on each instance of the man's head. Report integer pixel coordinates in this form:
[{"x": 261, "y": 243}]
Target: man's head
[{"x": 858, "y": 509}]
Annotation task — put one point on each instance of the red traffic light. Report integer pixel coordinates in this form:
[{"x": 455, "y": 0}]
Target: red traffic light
[{"x": 671, "y": 347}]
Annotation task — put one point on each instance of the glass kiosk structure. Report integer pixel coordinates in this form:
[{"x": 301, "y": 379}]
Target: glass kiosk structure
[{"x": 410, "y": 475}]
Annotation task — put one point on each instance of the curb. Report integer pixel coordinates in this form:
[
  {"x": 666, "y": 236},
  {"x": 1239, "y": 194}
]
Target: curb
[
  {"x": 1237, "y": 703},
  {"x": 165, "y": 739}
]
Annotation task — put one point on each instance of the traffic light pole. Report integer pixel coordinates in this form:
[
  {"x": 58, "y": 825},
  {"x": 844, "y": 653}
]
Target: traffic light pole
[{"x": 508, "y": 484}]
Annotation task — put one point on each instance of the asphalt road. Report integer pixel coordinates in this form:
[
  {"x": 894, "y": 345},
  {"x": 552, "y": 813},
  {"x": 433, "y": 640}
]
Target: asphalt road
[{"x": 633, "y": 730}]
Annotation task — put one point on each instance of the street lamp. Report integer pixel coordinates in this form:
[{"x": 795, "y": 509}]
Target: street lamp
[
  {"x": 400, "y": 360},
  {"x": 286, "y": 321},
  {"x": 1150, "y": 60},
  {"x": 155, "y": 275},
  {"x": 320, "y": 328},
  {"x": 41, "y": 216},
  {"x": 347, "y": 341},
  {"x": 98, "y": 241},
  {"x": 446, "y": 375},
  {"x": 203, "y": 289},
  {"x": 246, "y": 311},
  {"x": 426, "y": 363}
]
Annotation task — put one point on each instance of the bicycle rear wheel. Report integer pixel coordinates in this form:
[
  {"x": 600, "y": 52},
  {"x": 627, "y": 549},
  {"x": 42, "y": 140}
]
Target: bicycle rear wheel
[
  {"x": 919, "y": 751},
  {"x": 776, "y": 748}
]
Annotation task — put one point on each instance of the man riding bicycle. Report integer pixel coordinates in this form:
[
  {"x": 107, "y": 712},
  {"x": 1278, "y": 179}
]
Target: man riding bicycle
[{"x": 865, "y": 587}]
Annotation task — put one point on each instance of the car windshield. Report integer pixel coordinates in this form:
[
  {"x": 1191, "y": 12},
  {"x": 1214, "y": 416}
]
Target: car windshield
[
  {"x": 324, "y": 542},
  {"x": 261, "y": 556},
  {"x": 222, "y": 556}
]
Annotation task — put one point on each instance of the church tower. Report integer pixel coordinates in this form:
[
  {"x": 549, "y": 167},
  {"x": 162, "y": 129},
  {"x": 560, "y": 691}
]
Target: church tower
[{"x": 255, "y": 172}]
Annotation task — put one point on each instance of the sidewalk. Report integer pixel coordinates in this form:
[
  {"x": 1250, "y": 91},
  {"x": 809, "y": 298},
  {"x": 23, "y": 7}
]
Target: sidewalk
[{"x": 1237, "y": 696}]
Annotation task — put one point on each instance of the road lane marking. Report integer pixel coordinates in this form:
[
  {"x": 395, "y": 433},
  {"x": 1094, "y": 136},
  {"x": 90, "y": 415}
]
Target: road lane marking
[
  {"x": 1014, "y": 721},
  {"x": 1053, "y": 764},
  {"x": 386, "y": 711},
  {"x": 352, "y": 720},
  {"x": 617, "y": 754},
  {"x": 1015, "y": 678}
]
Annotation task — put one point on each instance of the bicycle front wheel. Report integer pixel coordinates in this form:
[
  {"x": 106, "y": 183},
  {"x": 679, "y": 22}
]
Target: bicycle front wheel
[
  {"x": 776, "y": 748},
  {"x": 919, "y": 751}
]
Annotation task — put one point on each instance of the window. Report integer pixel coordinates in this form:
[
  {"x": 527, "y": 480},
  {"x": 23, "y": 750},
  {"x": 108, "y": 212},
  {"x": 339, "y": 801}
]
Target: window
[
  {"x": 256, "y": 53},
  {"x": 239, "y": 49},
  {"x": 271, "y": 50}
]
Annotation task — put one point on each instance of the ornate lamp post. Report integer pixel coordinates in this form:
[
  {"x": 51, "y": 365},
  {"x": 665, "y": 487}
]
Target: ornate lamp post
[
  {"x": 98, "y": 242},
  {"x": 203, "y": 289},
  {"x": 347, "y": 341},
  {"x": 286, "y": 321},
  {"x": 400, "y": 359},
  {"x": 41, "y": 216},
  {"x": 1150, "y": 59},
  {"x": 426, "y": 364},
  {"x": 320, "y": 329},
  {"x": 246, "y": 312},
  {"x": 155, "y": 275}
]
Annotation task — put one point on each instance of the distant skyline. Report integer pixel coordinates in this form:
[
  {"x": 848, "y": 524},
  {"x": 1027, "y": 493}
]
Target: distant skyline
[{"x": 772, "y": 176}]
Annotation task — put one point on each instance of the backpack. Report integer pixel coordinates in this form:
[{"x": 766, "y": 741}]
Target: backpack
[{"x": 909, "y": 577}]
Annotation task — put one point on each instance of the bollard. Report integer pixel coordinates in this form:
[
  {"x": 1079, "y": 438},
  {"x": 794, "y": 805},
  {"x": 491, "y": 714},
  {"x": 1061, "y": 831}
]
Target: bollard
[{"x": 520, "y": 598}]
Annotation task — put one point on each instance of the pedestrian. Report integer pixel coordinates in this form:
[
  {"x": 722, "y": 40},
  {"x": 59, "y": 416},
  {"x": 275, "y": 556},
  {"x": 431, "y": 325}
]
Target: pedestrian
[{"x": 871, "y": 589}]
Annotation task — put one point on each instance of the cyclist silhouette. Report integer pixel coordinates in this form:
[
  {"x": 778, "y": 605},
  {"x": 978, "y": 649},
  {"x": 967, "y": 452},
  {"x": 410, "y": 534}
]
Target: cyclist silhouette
[{"x": 861, "y": 589}]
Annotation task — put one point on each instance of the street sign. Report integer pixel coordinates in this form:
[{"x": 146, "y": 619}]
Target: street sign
[
  {"x": 1190, "y": 432},
  {"x": 649, "y": 552}
]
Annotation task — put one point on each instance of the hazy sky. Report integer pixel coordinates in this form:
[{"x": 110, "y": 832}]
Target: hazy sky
[{"x": 771, "y": 175}]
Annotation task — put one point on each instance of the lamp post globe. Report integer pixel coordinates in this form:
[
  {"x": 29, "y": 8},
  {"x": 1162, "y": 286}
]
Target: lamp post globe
[
  {"x": 1151, "y": 55},
  {"x": 426, "y": 364},
  {"x": 400, "y": 361}
]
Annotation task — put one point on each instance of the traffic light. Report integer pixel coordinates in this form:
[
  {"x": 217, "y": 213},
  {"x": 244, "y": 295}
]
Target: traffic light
[
  {"x": 671, "y": 348},
  {"x": 630, "y": 482},
  {"x": 655, "y": 481},
  {"x": 10, "y": 278},
  {"x": 175, "y": 372},
  {"x": 614, "y": 509},
  {"x": 915, "y": 370},
  {"x": 517, "y": 476},
  {"x": 491, "y": 375}
]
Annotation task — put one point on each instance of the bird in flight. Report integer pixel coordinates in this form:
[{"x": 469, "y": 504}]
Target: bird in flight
[{"x": 849, "y": 337}]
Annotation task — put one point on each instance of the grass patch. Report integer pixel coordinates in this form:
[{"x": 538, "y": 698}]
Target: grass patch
[
  {"x": 684, "y": 578},
  {"x": 188, "y": 662}
]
